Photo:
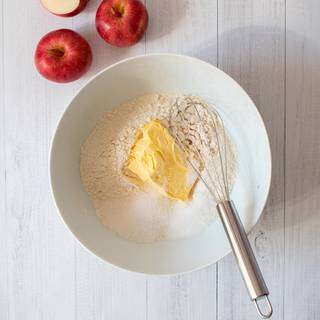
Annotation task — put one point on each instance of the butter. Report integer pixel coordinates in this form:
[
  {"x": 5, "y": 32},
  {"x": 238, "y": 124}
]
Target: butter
[{"x": 155, "y": 159}]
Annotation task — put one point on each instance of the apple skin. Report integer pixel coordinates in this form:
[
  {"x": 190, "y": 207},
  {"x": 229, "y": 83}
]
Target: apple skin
[
  {"x": 63, "y": 56},
  {"x": 121, "y": 23},
  {"x": 82, "y": 5}
]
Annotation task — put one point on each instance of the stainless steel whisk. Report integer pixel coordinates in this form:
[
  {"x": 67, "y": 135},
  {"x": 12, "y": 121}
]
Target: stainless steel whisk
[{"x": 199, "y": 131}]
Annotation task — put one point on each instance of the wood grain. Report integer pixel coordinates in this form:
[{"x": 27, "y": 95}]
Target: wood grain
[
  {"x": 187, "y": 27},
  {"x": 183, "y": 297},
  {"x": 46, "y": 274},
  {"x": 39, "y": 259},
  {"x": 252, "y": 50},
  {"x": 184, "y": 27},
  {"x": 302, "y": 238},
  {"x": 3, "y": 217},
  {"x": 101, "y": 291}
]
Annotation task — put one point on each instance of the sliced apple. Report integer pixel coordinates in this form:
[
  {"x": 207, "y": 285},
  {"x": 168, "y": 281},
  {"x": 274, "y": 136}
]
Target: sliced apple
[{"x": 64, "y": 8}]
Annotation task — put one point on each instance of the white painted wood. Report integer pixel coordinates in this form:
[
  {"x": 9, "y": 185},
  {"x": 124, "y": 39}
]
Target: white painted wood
[
  {"x": 46, "y": 274},
  {"x": 251, "y": 49},
  {"x": 101, "y": 291},
  {"x": 39, "y": 262},
  {"x": 191, "y": 296},
  {"x": 186, "y": 297},
  {"x": 302, "y": 237},
  {"x": 187, "y": 27},
  {"x": 3, "y": 218}
]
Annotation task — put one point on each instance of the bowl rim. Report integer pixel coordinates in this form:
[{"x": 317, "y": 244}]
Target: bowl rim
[{"x": 74, "y": 96}]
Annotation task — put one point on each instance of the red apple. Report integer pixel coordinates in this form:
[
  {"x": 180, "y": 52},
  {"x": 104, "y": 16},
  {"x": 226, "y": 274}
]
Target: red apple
[
  {"x": 63, "y": 56},
  {"x": 64, "y": 8},
  {"x": 121, "y": 23}
]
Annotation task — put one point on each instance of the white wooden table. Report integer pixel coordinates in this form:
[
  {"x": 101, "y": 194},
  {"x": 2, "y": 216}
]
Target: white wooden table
[{"x": 272, "y": 48}]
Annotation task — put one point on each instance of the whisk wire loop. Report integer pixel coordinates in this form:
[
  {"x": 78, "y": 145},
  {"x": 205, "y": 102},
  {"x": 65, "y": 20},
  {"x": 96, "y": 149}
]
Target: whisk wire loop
[
  {"x": 223, "y": 162},
  {"x": 212, "y": 166}
]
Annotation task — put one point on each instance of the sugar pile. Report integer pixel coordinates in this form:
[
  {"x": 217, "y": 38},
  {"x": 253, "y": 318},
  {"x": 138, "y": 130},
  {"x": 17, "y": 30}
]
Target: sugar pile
[{"x": 149, "y": 216}]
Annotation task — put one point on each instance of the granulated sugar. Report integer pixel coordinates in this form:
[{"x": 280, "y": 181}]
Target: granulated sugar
[
  {"x": 149, "y": 216},
  {"x": 141, "y": 216}
]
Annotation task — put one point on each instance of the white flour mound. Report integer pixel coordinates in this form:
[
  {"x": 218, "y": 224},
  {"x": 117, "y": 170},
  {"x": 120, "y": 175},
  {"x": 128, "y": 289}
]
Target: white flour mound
[{"x": 140, "y": 216}]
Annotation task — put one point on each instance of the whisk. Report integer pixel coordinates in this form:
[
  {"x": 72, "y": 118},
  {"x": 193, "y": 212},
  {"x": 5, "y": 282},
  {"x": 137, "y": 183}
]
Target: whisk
[{"x": 199, "y": 131}]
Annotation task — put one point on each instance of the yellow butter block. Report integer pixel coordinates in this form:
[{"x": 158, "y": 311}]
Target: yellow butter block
[{"x": 157, "y": 160}]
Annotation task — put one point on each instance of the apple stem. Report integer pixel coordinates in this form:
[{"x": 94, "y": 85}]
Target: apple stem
[
  {"x": 117, "y": 10},
  {"x": 57, "y": 52}
]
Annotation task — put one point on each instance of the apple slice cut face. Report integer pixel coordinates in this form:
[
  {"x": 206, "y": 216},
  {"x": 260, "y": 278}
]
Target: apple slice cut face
[{"x": 61, "y": 7}]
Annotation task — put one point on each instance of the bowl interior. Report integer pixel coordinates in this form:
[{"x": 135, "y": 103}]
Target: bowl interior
[{"x": 129, "y": 79}]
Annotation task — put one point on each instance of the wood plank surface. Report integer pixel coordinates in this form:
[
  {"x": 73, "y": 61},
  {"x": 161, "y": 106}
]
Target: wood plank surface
[
  {"x": 252, "y": 51},
  {"x": 302, "y": 237},
  {"x": 191, "y": 296},
  {"x": 186, "y": 27},
  {"x": 3, "y": 218},
  {"x": 101, "y": 291},
  {"x": 272, "y": 48},
  {"x": 39, "y": 263}
]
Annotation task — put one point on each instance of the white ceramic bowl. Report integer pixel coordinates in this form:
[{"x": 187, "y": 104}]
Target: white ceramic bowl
[{"x": 126, "y": 80}]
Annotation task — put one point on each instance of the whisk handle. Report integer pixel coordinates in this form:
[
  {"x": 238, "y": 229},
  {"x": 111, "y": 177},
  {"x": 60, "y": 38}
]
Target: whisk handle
[{"x": 243, "y": 252}]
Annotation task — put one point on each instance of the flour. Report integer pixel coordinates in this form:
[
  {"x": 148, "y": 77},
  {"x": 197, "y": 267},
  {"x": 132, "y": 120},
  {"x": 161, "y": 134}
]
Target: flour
[{"x": 141, "y": 216}]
